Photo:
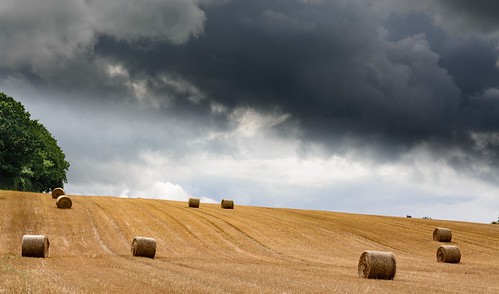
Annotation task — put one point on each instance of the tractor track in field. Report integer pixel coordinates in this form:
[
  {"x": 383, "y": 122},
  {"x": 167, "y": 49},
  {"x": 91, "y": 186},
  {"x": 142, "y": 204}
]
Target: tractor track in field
[
  {"x": 184, "y": 228},
  {"x": 96, "y": 233},
  {"x": 274, "y": 253}
]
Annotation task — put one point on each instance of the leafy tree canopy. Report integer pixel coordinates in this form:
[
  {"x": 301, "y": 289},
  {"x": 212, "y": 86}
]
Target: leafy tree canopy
[{"x": 30, "y": 159}]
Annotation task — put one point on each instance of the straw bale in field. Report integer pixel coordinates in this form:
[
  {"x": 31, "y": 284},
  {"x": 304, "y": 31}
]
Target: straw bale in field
[
  {"x": 143, "y": 246},
  {"x": 227, "y": 204},
  {"x": 442, "y": 235},
  {"x": 35, "y": 246},
  {"x": 64, "y": 202},
  {"x": 448, "y": 254},
  {"x": 57, "y": 192},
  {"x": 377, "y": 265},
  {"x": 194, "y": 202}
]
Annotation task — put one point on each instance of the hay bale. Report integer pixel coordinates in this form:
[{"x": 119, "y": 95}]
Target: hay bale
[
  {"x": 143, "y": 246},
  {"x": 35, "y": 246},
  {"x": 194, "y": 202},
  {"x": 442, "y": 235},
  {"x": 377, "y": 265},
  {"x": 63, "y": 202},
  {"x": 57, "y": 192},
  {"x": 448, "y": 254},
  {"x": 227, "y": 204}
]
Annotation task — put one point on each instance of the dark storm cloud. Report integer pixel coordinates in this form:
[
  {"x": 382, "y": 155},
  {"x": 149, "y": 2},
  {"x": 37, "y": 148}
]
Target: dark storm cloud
[
  {"x": 330, "y": 65},
  {"x": 475, "y": 14},
  {"x": 345, "y": 76}
]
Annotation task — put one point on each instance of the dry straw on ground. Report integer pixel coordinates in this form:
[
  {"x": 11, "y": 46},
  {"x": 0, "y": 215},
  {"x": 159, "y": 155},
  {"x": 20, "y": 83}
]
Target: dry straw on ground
[
  {"x": 194, "y": 202},
  {"x": 35, "y": 246},
  {"x": 448, "y": 254},
  {"x": 143, "y": 246},
  {"x": 227, "y": 204},
  {"x": 63, "y": 202},
  {"x": 442, "y": 235},
  {"x": 377, "y": 265},
  {"x": 57, "y": 192}
]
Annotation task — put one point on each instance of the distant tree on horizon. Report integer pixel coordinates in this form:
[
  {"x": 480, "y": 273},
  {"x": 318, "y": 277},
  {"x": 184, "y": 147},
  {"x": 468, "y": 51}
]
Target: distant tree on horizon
[{"x": 30, "y": 159}]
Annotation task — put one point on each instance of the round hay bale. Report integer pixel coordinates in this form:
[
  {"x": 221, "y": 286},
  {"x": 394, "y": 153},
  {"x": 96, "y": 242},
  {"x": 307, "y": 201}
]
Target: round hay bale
[
  {"x": 143, "y": 246},
  {"x": 35, "y": 246},
  {"x": 57, "y": 192},
  {"x": 64, "y": 202},
  {"x": 448, "y": 254},
  {"x": 227, "y": 204},
  {"x": 377, "y": 265},
  {"x": 194, "y": 202},
  {"x": 442, "y": 235}
]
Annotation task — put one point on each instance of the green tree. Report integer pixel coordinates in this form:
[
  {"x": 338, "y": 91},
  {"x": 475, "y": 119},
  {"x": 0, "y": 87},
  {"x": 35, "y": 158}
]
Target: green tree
[{"x": 30, "y": 159}]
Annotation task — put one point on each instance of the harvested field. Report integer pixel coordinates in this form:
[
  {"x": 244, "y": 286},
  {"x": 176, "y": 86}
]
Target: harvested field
[{"x": 247, "y": 250}]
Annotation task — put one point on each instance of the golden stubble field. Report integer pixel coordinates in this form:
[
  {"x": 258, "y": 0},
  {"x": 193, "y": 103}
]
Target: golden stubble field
[{"x": 245, "y": 250}]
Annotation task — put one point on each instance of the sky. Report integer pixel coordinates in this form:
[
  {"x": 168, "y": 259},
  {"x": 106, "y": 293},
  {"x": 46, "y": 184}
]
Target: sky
[{"x": 382, "y": 107}]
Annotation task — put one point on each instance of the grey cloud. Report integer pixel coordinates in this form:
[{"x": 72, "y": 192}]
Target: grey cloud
[
  {"x": 131, "y": 20},
  {"x": 470, "y": 60},
  {"x": 462, "y": 17},
  {"x": 328, "y": 65},
  {"x": 333, "y": 66},
  {"x": 472, "y": 64},
  {"x": 464, "y": 14},
  {"x": 36, "y": 34},
  {"x": 39, "y": 36}
]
